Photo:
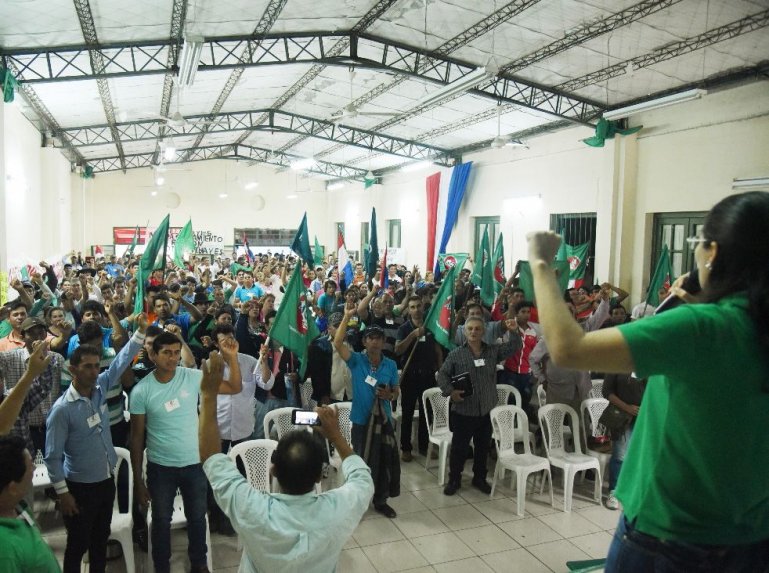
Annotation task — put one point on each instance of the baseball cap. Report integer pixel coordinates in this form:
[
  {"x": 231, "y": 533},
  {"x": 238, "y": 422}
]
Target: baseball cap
[
  {"x": 373, "y": 330},
  {"x": 31, "y": 322}
]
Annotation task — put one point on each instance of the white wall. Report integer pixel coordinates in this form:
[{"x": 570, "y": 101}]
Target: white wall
[
  {"x": 116, "y": 199},
  {"x": 683, "y": 160},
  {"x": 36, "y": 219},
  {"x": 688, "y": 156}
]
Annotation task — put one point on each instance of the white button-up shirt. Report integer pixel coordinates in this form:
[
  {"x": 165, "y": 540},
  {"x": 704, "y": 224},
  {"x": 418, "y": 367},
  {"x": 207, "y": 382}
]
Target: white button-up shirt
[{"x": 235, "y": 412}]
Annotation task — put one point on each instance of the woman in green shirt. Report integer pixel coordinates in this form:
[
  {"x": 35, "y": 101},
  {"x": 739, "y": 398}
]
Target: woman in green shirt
[{"x": 694, "y": 481}]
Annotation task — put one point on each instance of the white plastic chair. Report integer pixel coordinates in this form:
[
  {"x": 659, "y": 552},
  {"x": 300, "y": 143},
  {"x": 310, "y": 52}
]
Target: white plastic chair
[
  {"x": 591, "y": 410},
  {"x": 256, "y": 456},
  {"x": 178, "y": 520},
  {"x": 551, "y": 420},
  {"x": 541, "y": 395},
  {"x": 40, "y": 477},
  {"x": 345, "y": 426},
  {"x": 305, "y": 391},
  {"x": 122, "y": 523},
  {"x": 505, "y": 421},
  {"x": 521, "y": 432},
  {"x": 281, "y": 419},
  {"x": 438, "y": 431},
  {"x": 597, "y": 389}
]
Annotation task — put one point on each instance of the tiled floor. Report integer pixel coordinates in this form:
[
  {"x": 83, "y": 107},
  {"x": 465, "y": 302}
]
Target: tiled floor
[{"x": 436, "y": 533}]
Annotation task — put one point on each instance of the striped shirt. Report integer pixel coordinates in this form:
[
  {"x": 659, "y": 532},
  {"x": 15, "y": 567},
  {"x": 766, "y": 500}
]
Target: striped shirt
[
  {"x": 42, "y": 394},
  {"x": 483, "y": 374}
]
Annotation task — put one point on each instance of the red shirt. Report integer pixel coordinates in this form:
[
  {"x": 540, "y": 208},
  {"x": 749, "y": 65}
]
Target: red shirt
[{"x": 519, "y": 362}]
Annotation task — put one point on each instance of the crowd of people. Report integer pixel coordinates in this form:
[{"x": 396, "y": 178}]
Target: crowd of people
[{"x": 196, "y": 372}]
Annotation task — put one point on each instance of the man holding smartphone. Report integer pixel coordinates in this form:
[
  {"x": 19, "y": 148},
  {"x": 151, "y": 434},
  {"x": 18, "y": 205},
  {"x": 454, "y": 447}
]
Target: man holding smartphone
[{"x": 374, "y": 377}]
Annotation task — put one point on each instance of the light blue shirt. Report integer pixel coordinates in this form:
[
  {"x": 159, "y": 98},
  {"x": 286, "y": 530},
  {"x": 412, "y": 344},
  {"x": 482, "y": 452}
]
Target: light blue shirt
[
  {"x": 363, "y": 392},
  {"x": 78, "y": 444},
  {"x": 291, "y": 533},
  {"x": 74, "y": 341},
  {"x": 243, "y": 294},
  {"x": 171, "y": 409}
]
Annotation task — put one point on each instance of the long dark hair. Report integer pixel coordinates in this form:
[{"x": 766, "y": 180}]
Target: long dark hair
[{"x": 739, "y": 225}]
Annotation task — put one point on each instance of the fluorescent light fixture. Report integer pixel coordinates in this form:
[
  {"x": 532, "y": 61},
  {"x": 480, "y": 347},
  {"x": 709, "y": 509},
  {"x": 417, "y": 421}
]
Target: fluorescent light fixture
[
  {"x": 292, "y": 196},
  {"x": 658, "y": 103},
  {"x": 334, "y": 186},
  {"x": 222, "y": 195},
  {"x": 153, "y": 193},
  {"x": 416, "y": 166},
  {"x": 159, "y": 180},
  {"x": 303, "y": 164},
  {"x": 466, "y": 82},
  {"x": 188, "y": 61},
  {"x": 754, "y": 183},
  {"x": 251, "y": 185}
]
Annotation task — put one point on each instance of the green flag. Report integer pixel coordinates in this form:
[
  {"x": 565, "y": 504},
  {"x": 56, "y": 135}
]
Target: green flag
[
  {"x": 294, "y": 326},
  {"x": 483, "y": 274},
  {"x": 448, "y": 260},
  {"x": 301, "y": 244},
  {"x": 577, "y": 257},
  {"x": 607, "y": 129},
  {"x": 441, "y": 315},
  {"x": 526, "y": 280},
  {"x": 8, "y": 83},
  {"x": 499, "y": 265},
  {"x": 154, "y": 257},
  {"x": 184, "y": 245},
  {"x": 318, "y": 254},
  {"x": 373, "y": 243},
  {"x": 562, "y": 254},
  {"x": 663, "y": 277},
  {"x": 134, "y": 242}
]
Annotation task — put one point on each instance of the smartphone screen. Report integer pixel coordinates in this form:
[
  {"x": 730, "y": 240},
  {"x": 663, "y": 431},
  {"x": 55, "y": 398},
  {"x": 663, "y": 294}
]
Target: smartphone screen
[{"x": 305, "y": 418}]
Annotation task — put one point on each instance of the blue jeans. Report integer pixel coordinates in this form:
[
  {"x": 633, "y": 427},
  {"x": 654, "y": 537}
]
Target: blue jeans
[
  {"x": 162, "y": 483},
  {"x": 618, "y": 451},
  {"x": 521, "y": 382},
  {"x": 634, "y": 552}
]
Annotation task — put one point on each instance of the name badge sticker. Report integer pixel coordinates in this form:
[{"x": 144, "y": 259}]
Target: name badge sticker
[
  {"x": 479, "y": 362},
  {"x": 171, "y": 405},
  {"x": 370, "y": 380},
  {"x": 94, "y": 420}
]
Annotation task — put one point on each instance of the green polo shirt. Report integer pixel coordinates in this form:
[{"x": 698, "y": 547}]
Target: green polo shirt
[
  {"x": 23, "y": 549},
  {"x": 698, "y": 464}
]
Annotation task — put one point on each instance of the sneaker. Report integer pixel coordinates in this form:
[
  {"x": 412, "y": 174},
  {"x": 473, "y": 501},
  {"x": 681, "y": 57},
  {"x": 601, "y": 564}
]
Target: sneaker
[
  {"x": 385, "y": 510},
  {"x": 451, "y": 488},
  {"x": 482, "y": 485},
  {"x": 406, "y": 456},
  {"x": 611, "y": 501}
]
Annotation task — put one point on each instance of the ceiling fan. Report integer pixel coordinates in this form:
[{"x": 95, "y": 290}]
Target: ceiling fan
[
  {"x": 501, "y": 141},
  {"x": 351, "y": 111},
  {"x": 178, "y": 121}
]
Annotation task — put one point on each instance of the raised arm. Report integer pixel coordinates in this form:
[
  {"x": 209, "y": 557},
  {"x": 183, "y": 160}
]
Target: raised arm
[
  {"x": 341, "y": 333},
  {"x": 363, "y": 306},
  {"x": 229, "y": 352},
  {"x": 38, "y": 362},
  {"x": 208, "y": 436},
  {"x": 603, "y": 350}
]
